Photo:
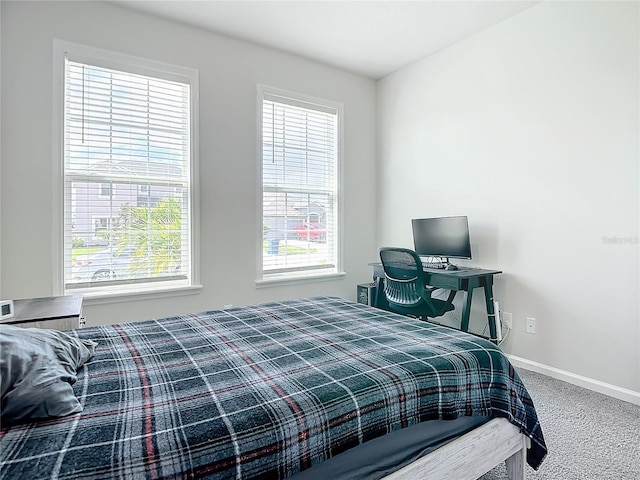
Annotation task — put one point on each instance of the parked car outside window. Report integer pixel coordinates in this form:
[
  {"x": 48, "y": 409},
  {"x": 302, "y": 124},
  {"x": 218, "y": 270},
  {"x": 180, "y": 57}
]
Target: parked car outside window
[
  {"x": 106, "y": 264},
  {"x": 111, "y": 264},
  {"x": 312, "y": 231}
]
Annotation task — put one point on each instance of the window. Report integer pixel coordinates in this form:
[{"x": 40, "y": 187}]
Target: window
[
  {"x": 105, "y": 189},
  {"x": 101, "y": 224},
  {"x": 126, "y": 129},
  {"x": 300, "y": 178}
]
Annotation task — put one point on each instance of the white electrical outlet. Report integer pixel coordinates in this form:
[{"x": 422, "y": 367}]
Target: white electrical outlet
[
  {"x": 507, "y": 320},
  {"x": 531, "y": 325}
]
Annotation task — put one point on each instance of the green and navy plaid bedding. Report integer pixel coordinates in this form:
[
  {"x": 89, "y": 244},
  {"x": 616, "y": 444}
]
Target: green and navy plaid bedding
[{"x": 264, "y": 391}]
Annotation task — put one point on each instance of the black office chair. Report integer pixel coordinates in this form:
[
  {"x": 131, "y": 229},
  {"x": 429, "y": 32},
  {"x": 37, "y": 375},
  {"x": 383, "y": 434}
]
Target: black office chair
[{"x": 405, "y": 288}]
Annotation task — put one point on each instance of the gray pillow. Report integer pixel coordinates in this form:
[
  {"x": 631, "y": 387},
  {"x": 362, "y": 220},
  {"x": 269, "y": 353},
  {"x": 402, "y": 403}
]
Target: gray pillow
[{"x": 37, "y": 370}]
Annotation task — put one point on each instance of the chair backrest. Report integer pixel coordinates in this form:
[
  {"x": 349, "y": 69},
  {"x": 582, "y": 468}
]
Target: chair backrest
[{"x": 404, "y": 279}]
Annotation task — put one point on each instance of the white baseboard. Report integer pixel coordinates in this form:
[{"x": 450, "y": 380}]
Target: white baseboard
[{"x": 584, "y": 382}]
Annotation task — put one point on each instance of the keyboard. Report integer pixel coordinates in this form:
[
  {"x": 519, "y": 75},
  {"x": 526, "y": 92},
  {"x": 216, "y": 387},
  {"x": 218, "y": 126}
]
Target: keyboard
[{"x": 434, "y": 265}]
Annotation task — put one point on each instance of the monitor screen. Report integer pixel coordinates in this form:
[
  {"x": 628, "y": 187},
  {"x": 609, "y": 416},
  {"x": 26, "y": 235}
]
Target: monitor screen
[{"x": 442, "y": 237}]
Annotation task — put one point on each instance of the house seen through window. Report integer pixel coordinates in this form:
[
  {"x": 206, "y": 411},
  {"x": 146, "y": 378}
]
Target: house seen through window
[
  {"x": 127, "y": 176},
  {"x": 300, "y": 160}
]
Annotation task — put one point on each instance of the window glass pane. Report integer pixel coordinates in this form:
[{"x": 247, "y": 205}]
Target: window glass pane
[
  {"x": 299, "y": 183},
  {"x": 127, "y": 170}
]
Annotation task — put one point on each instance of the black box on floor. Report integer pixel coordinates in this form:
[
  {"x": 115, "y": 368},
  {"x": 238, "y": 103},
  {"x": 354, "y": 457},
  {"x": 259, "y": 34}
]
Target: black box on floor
[{"x": 366, "y": 293}]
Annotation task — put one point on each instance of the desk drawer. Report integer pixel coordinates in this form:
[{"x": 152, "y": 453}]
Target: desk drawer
[{"x": 449, "y": 282}]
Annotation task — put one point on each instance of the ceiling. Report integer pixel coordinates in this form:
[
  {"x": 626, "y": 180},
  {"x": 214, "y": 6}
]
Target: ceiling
[{"x": 371, "y": 38}]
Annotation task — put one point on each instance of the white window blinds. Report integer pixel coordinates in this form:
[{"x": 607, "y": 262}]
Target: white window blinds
[
  {"x": 299, "y": 186},
  {"x": 127, "y": 177}
]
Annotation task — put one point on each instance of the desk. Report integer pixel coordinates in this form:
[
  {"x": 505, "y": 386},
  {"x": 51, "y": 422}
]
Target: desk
[{"x": 465, "y": 280}]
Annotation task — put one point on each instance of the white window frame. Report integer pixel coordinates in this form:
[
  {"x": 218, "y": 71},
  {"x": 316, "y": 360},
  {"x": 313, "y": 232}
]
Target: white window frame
[
  {"x": 310, "y": 275},
  {"x": 136, "y": 65}
]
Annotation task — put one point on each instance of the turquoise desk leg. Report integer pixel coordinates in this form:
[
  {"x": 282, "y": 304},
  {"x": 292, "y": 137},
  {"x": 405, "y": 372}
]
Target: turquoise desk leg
[
  {"x": 491, "y": 314},
  {"x": 466, "y": 309},
  {"x": 380, "y": 301}
]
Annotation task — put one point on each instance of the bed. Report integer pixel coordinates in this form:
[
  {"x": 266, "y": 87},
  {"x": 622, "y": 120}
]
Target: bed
[{"x": 300, "y": 389}]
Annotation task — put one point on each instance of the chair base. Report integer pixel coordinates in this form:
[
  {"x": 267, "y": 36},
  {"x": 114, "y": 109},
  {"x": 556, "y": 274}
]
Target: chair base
[{"x": 440, "y": 308}]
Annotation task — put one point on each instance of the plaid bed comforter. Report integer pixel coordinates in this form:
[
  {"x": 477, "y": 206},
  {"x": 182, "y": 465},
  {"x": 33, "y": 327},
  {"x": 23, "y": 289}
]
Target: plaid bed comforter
[{"x": 262, "y": 392}]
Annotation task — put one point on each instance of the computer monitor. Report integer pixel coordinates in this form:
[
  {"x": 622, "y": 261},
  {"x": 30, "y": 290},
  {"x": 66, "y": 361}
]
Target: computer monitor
[{"x": 442, "y": 237}]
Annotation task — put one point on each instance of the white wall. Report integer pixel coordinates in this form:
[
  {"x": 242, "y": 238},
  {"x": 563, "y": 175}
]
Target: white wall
[
  {"x": 1, "y": 158},
  {"x": 229, "y": 71},
  {"x": 531, "y": 128}
]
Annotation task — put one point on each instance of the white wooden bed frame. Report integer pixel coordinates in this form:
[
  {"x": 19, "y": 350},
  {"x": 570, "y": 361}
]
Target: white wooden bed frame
[{"x": 473, "y": 455}]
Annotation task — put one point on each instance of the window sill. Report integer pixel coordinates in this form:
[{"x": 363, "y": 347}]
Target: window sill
[
  {"x": 289, "y": 279},
  {"x": 129, "y": 295}
]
